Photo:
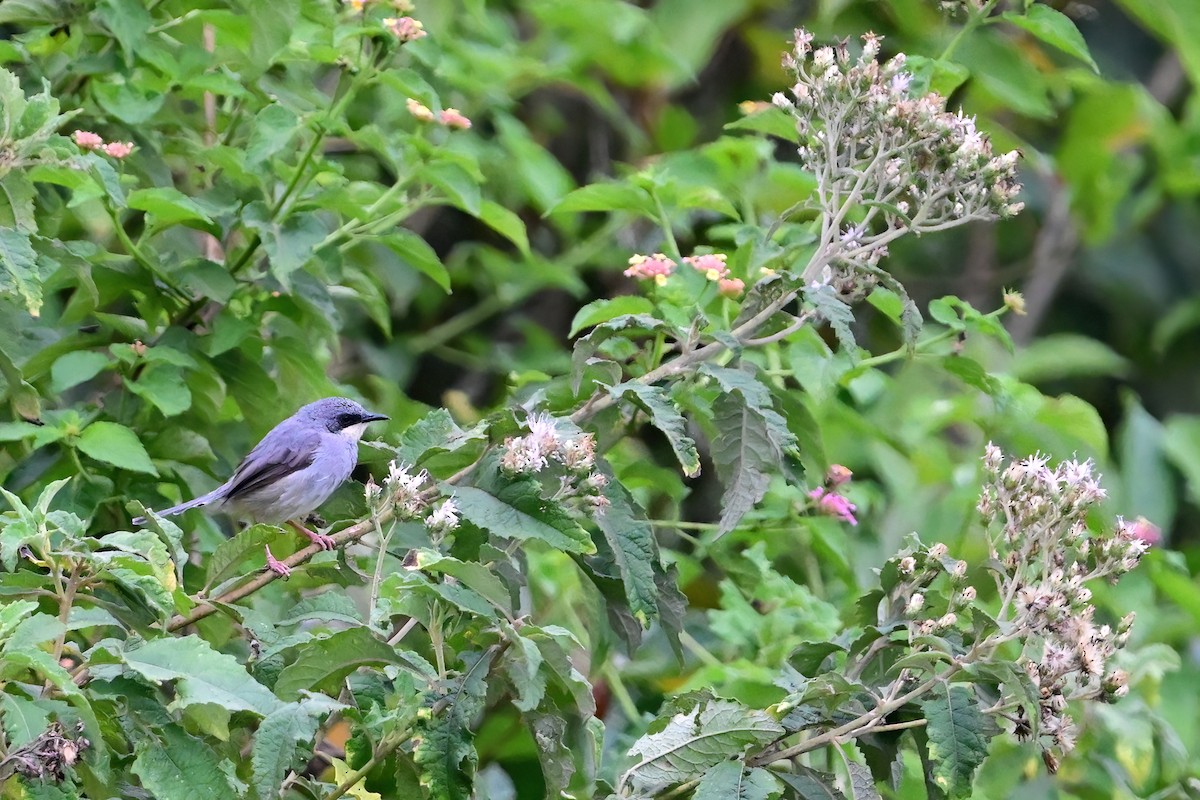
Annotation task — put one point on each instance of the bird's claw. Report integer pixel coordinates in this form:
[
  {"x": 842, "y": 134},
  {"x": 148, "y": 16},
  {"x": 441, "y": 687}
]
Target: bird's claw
[
  {"x": 275, "y": 565},
  {"x": 319, "y": 539}
]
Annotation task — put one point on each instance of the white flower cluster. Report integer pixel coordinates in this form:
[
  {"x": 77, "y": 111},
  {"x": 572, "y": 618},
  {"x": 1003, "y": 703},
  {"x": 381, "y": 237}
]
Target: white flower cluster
[
  {"x": 1049, "y": 555},
  {"x": 410, "y": 494},
  {"x": 544, "y": 445},
  {"x": 905, "y": 161}
]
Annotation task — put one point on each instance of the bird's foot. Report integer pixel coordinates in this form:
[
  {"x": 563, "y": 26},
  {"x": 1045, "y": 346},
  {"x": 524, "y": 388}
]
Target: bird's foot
[
  {"x": 275, "y": 565},
  {"x": 319, "y": 539}
]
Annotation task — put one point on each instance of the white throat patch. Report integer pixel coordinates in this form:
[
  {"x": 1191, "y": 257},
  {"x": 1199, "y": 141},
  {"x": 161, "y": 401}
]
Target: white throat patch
[{"x": 354, "y": 432}]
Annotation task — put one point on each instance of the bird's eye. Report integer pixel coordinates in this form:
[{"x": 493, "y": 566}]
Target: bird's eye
[{"x": 346, "y": 420}]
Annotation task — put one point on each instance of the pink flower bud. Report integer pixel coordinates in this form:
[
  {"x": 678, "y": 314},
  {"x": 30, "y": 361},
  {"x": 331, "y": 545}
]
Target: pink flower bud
[
  {"x": 419, "y": 110},
  {"x": 406, "y": 29},
  {"x": 731, "y": 287},
  {"x": 118, "y": 150},
  {"x": 453, "y": 118}
]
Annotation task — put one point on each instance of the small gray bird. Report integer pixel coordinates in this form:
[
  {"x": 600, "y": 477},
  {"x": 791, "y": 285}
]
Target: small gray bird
[{"x": 292, "y": 471}]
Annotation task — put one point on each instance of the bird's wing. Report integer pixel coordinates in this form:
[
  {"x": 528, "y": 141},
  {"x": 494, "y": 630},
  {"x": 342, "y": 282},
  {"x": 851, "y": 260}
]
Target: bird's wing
[{"x": 284, "y": 450}]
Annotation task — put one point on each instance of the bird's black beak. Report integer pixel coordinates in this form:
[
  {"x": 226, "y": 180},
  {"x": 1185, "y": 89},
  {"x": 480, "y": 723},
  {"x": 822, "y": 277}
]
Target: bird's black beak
[{"x": 369, "y": 417}]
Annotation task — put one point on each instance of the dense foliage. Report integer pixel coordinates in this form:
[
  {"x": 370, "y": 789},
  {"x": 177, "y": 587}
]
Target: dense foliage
[{"x": 725, "y": 459}]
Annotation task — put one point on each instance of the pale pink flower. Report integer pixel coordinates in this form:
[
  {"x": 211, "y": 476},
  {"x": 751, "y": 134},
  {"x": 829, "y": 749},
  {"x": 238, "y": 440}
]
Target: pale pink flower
[
  {"x": 419, "y": 110},
  {"x": 656, "y": 267},
  {"x": 731, "y": 287},
  {"x": 118, "y": 150},
  {"x": 836, "y": 475},
  {"x": 406, "y": 29},
  {"x": 712, "y": 265},
  {"x": 453, "y": 118},
  {"x": 88, "y": 140}
]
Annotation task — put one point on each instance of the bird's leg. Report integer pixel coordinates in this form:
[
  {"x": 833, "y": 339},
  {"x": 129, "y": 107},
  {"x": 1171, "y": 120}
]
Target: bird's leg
[
  {"x": 275, "y": 565},
  {"x": 319, "y": 539}
]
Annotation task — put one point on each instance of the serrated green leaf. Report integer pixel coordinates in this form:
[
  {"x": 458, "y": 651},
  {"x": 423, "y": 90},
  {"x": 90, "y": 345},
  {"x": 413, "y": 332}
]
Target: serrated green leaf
[
  {"x": 446, "y": 751},
  {"x": 12, "y": 613},
  {"x": 731, "y": 780},
  {"x": 232, "y": 553},
  {"x": 522, "y": 665},
  {"x": 23, "y": 721},
  {"x": 168, "y": 206},
  {"x": 202, "y": 674},
  {"x": 289, "y": 244},
  {"x": 115, "y": 444},
  {"x": 519, "y": 512},
  {"x": 751, "y": 441},
  {"x": 481, "y": 579},
  {"x": 277, "y": 739},
  {"x": 608, "y": 308},
  {"x": 435, "y": 432},
  {"x": 958, "y": 738},
  {"x": 325, "y": 662},
  {"x": 173, "y": 764},
  {"x": 632, "y": 550},
  {"x": 693, "y": 742},
  {"x": 17, "y": 209},
  {"x": 665, "y": 416},
  {"x": 809, "y": 784},
  {"x": 164, "y": 386}
]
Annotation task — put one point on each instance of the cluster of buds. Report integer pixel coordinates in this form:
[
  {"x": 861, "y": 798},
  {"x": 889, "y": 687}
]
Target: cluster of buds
[
  {"x": 1038, "y": 518},
  {"x": 409, "y": 494},
  {"x": 906, "y": 161},
  {"x": 545, "y": 445},
  {"x": 828, "y": 500},
  {"x": 447, "y": 117},
  {"x": 405, "y": 29},
  {"x": 712, "y": 266},
  {"x": 86, "y": 140},
  {"x": 919, "y": 569}
]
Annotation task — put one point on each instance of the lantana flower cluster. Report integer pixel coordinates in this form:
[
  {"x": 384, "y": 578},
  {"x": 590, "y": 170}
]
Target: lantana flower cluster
[
  {"x": 447, "y": 117},
  {"x": 544, "y": 446},
  {"x": 410, "y": 494},
  {"x": 712, "y": 266},
  {"x": 1038, "y": 515},
  {"x": 905, "y": 162},
  {"x": 828, "y": 500},
  {"x": 86, "y": 140}
]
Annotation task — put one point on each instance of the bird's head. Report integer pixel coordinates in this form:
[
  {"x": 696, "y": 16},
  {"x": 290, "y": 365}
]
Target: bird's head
[{"x": 340, "y": 415}]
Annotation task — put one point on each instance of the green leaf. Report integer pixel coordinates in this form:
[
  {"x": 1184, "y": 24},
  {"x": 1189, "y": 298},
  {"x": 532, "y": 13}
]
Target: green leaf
[
  {"x": 277, "y": 738},
  {"x": 173, "y": 764},
  {"x": 232, "y": 553},
  {"x": 751, "y": 441},
  {"x": 289, "y": 244},
  {"x": 322, "y": 664},
  {"x": 483, "y": 580},
  {"x": 12, "y": 613},
  {"x": 17, "y": 209},
  {"x": 1055, "y": 29},
  {"x": 169, "y": 206},
  {"x": 117, "y": 445},
  {"x": 446, "y": 751},
  {"x": 835, "y": 311},
  {"x": 203, "y": 675},
  {"x": 417, "y": 253},
  {"x": 23, "y": 721},
  {"x": 1059, "y": 356},
  {"x": 772, "y": 120},
  {"x": 691, "y": 743},
  {"x": 436, "y": 432},
  {"x": 730, "y": 780},
  {"x": 519, "y": 512},
  {"x": 505, "y": 223},
  {"x": 607, "y": 197},
  {"x": 554, "y": 754},
  {"x": 934, "y": 75},
  {"x": 76, "y": 367},
  {"x": 522, "y": 666},
  {"x": 809, "y": 784},
  {"x": 19, "y": 273},
  {"x": 274, "y": 127},
  {"x": 607, "y": 308},
  {"x": 958, "y": 738},
  {"x": 631, "y": 547},
  {"x": 165, "y": 387},
  {"x": 665, "y": 416}
]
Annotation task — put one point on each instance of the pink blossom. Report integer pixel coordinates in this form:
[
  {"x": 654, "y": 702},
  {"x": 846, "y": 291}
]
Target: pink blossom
[
  {"x": 834, "y": 505},
  {"x": 88, "y": 140},
  {"x": 712, "y": 265},
  {"x": 731, "y": 287},
  {"x": 1145, "y": 530},
  {"x": 453, "y": 118},
  {"x": 118, "y": 150},
  {"x": 406, "y": 29},
  {"x": 419, "y": 110},
  {"x": 656, "y": 267}
]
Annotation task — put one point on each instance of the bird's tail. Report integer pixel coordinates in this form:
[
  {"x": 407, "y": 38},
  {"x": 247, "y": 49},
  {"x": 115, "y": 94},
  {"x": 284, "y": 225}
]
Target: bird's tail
[{"x": 202, "y": 500}]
